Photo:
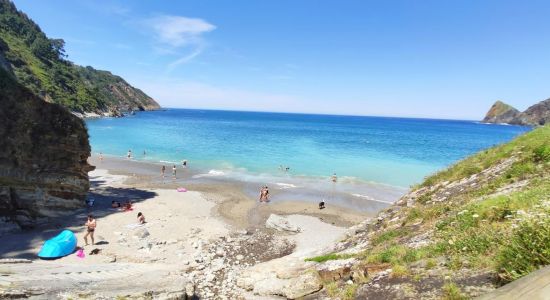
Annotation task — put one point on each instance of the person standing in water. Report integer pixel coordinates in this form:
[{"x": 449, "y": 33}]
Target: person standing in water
[
  {"x": 162, "y": 171},
  {"x": 129, "y": 155},
  {"x": 264, "y": 194},
  {"x": 184, "y": 164},
  {"x": 90, "y": 228},
  {"x": 100, "y": 156},
  {"x": 174, "y": 172},
  {"x": 333, "y": 178}
]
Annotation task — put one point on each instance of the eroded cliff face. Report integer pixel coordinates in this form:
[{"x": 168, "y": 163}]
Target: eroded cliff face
[{"x": 43, "y": 156}]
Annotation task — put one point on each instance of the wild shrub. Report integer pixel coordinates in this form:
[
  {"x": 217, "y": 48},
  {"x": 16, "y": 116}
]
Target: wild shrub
[{"x": 527, "y": 250}]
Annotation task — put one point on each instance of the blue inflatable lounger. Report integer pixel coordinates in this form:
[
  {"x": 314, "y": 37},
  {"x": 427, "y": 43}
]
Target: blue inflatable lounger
[{"x": 61, "y": 245}]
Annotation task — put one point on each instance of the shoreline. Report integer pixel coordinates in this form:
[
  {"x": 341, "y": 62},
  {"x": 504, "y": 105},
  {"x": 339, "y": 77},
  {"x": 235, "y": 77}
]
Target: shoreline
[{"x": 365, "y": 198}]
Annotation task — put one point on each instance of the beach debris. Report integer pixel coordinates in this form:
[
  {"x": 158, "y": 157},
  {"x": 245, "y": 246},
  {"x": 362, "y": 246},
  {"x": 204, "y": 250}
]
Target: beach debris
[{"x": 280, "y": 223}]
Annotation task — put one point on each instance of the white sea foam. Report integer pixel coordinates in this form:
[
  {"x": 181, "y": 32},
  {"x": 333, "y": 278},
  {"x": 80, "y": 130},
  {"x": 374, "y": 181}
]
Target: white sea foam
[
  {"x": 369, "y": 198},
  {"x": 167, "y": 162},
  {"x": 211, "y": 173},
  {"x": 283, "y": 185}
]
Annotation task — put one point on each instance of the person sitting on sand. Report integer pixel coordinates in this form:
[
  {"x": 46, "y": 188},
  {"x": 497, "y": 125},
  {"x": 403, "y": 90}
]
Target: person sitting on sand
[
  {"x": 264, "y": 194},
  {"x": 128, "y": 205},
  {"x": 90, "y": 228},
  {"x": 115, "y": 204},
  {"x": 140, "y": 218},
  {"x": 322, "y": 204}
]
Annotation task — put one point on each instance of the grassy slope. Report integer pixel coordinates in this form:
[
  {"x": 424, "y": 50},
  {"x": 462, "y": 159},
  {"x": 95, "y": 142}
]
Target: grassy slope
[{"x": 502, "y": 232}]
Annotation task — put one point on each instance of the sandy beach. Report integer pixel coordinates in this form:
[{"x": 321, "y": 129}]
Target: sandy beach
[{"x": 210, "y": 233}]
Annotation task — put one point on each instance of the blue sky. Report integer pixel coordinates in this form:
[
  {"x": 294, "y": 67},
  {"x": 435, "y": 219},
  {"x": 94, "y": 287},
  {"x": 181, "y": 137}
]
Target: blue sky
[{"x": 438, "y": 59}]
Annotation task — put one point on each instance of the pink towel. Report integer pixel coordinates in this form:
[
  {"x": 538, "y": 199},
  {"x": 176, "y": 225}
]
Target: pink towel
[{"x": 181, "y": 189}]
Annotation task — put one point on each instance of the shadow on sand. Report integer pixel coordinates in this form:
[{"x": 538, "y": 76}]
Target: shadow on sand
[{"x": 24, "y": 244}]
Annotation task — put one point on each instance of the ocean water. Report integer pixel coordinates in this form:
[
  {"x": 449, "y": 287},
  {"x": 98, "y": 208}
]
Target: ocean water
[{"x": 364, "y": 152}]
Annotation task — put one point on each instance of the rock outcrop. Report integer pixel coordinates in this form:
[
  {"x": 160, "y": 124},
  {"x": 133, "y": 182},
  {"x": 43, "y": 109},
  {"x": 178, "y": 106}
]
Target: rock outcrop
[
  {"x": 43, "y": 156},
  {"x": 538, "y": 114},
  {"x": 501, "y": 112}
]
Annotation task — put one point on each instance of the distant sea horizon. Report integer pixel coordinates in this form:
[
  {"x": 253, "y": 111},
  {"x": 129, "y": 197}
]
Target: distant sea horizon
[
  {"x": 368, "y": 154},
  {"x": 327, "y": 114}
]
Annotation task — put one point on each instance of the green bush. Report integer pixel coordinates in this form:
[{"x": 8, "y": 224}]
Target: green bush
[
  {"x": 542, "y": 153},
  {"x": 527, "y": 250}
]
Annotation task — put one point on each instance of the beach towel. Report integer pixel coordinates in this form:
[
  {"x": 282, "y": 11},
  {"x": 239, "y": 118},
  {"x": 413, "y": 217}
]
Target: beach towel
[{"x": 182, "y": 189}]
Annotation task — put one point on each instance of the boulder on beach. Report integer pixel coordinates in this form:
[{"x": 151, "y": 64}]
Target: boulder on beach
[{"x": 280, "y": 223}]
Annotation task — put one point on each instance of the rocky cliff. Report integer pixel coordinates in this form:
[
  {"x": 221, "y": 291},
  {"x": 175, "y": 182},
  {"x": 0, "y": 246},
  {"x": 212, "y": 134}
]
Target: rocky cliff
[
  {"x": 538, "y": 114},
  {"x": 43, "y": 156},
  {"x": 500, "y": 113},
  {"x": 40, "y": 64}
]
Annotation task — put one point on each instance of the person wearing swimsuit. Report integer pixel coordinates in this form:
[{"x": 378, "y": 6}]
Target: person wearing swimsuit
[{"x": 90, "y": 228}]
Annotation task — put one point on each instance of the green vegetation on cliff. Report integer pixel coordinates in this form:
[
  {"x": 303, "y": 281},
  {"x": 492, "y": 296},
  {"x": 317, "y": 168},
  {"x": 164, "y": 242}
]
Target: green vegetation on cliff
[
  {"x": 39, "y": 63},
  {"x": 486, "y": 217}
]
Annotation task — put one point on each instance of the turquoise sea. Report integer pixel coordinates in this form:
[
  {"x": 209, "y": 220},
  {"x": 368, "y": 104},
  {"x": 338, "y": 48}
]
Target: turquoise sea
[{"x": 364, "y": 152}]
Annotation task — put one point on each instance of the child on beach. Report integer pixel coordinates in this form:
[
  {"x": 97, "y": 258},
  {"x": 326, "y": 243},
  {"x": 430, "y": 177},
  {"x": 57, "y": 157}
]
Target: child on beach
[
  {"x": 140, "y": 218},
  {"x": 90, "y": 228}
]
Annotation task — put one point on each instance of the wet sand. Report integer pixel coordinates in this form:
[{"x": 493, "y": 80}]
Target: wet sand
[{"x": 234, "y": 202}]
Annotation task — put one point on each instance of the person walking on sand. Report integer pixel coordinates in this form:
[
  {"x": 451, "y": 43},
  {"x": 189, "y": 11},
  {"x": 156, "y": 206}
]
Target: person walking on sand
[
  {"x": 162, "y": 171},
  {"x": 174, "y": 172},
  {"x": 90, "y": 228},
  {"x": 129, "y": 155}
]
